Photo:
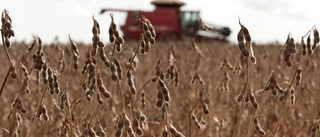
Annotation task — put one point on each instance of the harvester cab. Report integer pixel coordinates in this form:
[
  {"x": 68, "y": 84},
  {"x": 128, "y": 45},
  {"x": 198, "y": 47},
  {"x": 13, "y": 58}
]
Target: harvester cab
[{"x": 169, "y": 21}]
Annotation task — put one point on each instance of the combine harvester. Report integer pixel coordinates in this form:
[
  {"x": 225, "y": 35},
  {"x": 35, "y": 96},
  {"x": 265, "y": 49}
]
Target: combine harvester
[{"x": 170, "y": 22}]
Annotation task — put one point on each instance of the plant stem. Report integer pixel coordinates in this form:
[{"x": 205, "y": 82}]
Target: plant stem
[
  {"x": 264, "y": 88},
  {"x": 4, "y": 82},
  {"x": 34, "y": 117},
  {"x": 139, "y": 92},
  {"x": 190, "y": 113},
  {"x": 242, "y": 102},
  {"x": 5, "y": 47},
  {"x": 290, "y": 85}
]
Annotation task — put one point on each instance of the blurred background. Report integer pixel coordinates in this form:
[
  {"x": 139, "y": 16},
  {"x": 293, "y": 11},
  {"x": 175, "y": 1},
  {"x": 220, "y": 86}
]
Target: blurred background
[{"x": 268, "y": 21}]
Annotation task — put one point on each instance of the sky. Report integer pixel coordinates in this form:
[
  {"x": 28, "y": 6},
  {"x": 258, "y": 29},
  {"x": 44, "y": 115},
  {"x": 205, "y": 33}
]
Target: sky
[{"x": 268, "y": 21}]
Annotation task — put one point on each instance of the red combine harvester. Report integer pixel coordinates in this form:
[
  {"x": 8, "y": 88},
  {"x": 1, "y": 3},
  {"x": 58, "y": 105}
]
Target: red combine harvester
[{"x": 169, "y": 22}]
